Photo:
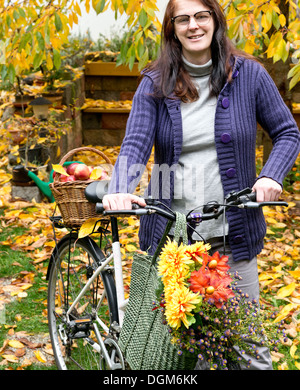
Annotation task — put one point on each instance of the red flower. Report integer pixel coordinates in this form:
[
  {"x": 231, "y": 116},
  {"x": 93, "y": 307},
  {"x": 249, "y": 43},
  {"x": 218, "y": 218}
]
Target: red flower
[
  {"x": 221, "y": 292},
  {"x": 199, "y": 280},
  {"x": 211, "y": 286},
  {"x": 216, "y": 263}
]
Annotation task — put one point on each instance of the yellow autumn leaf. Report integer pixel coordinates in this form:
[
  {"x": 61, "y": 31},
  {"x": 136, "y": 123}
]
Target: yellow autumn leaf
[
  {"x": 59, "y": 169},
  {"x": 269, "y": 231},
  {"x": 11, "y": 358},
  {"x": 40, "y": 356},
  {"x": 77, "y": 9},
  {"x": 295, "y": 274},
  {"x": 18, "y": 317},
  {"x": 87, "y": 227},
  {"x": 268, "y": 275},
  {"x": 130, "y": 248},
  {"x": 297, "y": 364},
  {"x": 285, "y": 311},
  {"x": 132, "y": 221},
  {"x": 87, "y": 6},
  {"x": 25, "y": 286},
  {"x": 96, "y": 173},
  {"x": 266, "y": 21},
  {"x": 286, "y": 290},
  {"x": 15, "y": 344},
  {"x": 293, "y": 350},
  {"x": 282, "y": 20},
  {"x": 271, "y": 220},
  {"x": 280, "y": 225}
]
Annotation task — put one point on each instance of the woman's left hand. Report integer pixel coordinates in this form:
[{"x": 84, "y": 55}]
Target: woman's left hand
[{"x": 267, "y": 190}]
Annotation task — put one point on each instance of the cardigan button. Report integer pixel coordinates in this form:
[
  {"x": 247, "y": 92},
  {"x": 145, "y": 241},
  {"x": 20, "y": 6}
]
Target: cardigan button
[
  {"x": 225, "y": 138},
  {"x": 230, "y": 172},
  {"x": 235, "y": 74},
  {"x": 238, "y": 239},
  {"x": 225, "y": 103}
]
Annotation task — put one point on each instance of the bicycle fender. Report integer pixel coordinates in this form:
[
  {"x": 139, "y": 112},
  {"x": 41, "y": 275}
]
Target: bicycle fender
[{"x": 97, "y": 253}]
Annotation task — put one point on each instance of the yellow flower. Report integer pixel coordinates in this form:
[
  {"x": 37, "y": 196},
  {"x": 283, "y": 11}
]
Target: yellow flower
[
  {"x": 196, "y": 250},
  {"x": 173, "y": 261},
  {"x": 179, "y": 308},
  {"x": 173, "y": 283}
]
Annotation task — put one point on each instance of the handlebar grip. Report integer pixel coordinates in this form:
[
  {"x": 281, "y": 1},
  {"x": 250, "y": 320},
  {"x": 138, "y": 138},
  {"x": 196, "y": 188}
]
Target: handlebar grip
[
  {"x": 135, "y": 206},
  {"x": 252, "y": 196},
  {"x": 249, "y": 202},
  {"x": 99, "y": 208}
]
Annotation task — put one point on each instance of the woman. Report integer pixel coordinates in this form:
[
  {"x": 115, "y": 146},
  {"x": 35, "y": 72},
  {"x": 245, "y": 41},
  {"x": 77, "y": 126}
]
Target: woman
[{"x": 199, "y": 105}]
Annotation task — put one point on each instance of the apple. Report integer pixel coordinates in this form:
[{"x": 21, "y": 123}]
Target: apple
[
  {"x": 82, "y": 172},
  {"x": 54, "y": 173},
  {"x": 70, "y": 178},
  {"x": 104, "y": 175},
  {"x": 63, "y": 178},
  {"x": 71, "y": 168}
]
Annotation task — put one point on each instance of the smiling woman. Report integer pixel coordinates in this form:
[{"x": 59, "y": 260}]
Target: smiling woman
[
  {"x": 194, "y": 28},
  {"x": 199, "y": 104}
]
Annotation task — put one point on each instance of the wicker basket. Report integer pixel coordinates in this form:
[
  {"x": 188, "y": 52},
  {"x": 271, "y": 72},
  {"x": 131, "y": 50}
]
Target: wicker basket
[{"x": 69, "y": 196}]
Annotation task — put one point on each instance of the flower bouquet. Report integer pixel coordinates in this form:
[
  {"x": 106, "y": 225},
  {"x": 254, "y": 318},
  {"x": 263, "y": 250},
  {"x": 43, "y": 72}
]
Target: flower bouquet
[{"x": 207, "y": 314}]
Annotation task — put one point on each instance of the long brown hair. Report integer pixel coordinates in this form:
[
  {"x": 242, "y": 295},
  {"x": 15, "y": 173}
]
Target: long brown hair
[{"x": 174, "y": 79}]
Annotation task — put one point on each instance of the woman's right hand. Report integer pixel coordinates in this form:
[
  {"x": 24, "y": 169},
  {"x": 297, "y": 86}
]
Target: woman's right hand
[{"x": 121, "y": 201}]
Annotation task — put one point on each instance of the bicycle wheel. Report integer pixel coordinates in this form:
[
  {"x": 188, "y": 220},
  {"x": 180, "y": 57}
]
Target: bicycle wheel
[{"x": 73, "y": 337}]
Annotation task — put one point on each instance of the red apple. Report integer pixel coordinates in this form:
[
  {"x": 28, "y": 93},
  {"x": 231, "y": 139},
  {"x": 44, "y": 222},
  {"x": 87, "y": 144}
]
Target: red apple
[
  {"x": 71, "y": 168},
  {"x": 104, "y": 176},
  {"x": 70, "y": 178},
  {"x": 63, "y": 178},
  {"x": 82, "y": 172},
  {"x": 54, "y": 173}
]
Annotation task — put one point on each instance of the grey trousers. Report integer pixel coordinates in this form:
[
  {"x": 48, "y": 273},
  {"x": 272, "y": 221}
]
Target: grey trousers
[{"x": 249, "y": 284}]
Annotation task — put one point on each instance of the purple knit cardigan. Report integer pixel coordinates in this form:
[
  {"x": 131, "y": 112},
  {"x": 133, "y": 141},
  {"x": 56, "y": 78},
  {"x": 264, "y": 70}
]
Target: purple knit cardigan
[{"x": 251, "y": 97}]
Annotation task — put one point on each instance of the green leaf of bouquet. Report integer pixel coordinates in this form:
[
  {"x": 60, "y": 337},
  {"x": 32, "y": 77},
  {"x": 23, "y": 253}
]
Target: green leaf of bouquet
[
  {"x": 191, "y": 319},
  {"x": 199, "y": 305}
]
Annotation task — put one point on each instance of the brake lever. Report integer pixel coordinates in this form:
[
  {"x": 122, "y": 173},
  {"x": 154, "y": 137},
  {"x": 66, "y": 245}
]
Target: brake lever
[
  {"x": 256, "y": 205},
  {"x": 235, "y": 196},
  {"x": 246, "y": 199}
]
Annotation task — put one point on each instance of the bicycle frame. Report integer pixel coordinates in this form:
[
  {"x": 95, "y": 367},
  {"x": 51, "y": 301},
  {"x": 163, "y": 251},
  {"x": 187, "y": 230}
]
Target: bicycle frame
[
  {"x": 116, "y": 259},
  {"x": 85, "y": 289},
  {"x": 121, "y": 301}
]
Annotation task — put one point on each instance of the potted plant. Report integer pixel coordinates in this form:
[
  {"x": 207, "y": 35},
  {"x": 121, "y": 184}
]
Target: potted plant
[{"x": 19, "y": 128}]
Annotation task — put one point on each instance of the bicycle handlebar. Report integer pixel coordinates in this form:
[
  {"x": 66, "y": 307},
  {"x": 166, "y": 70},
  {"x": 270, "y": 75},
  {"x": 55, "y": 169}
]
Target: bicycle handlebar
[{"x": 244, "y": 199}]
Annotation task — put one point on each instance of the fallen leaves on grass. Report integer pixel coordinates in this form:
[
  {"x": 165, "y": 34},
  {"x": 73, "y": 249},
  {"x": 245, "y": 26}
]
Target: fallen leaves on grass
[
  {"x": 25, "y": 351},
  {"x": 279, "y": 273}
]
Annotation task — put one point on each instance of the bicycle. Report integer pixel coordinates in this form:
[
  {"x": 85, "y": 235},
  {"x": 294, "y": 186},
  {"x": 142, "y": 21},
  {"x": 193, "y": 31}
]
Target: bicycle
[{"x": 86, "y": 300}]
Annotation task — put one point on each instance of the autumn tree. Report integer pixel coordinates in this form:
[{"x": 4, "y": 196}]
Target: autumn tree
[
  {"x": 269, "y": 30},
  {"x": 33, "y": 32}
]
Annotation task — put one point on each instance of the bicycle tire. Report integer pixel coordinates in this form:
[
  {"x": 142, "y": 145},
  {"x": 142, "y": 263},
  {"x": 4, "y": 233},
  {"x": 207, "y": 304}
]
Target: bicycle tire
[{"x": 68, "y": 273}]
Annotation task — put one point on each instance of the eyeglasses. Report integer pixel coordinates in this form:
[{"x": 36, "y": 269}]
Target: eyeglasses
[{"x": 202, "y": 18}]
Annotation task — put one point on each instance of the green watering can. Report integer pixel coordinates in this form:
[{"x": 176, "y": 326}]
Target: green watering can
[{"x": 43, "y": 186}]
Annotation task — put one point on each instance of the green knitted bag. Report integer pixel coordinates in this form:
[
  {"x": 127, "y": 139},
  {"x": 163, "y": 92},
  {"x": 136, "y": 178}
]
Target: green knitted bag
[{"x": 144, "y": 339}]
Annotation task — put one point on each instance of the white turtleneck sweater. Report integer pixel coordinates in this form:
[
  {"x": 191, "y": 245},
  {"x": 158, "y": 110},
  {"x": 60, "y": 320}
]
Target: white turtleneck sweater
[{"x": 197, "y": 178}]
